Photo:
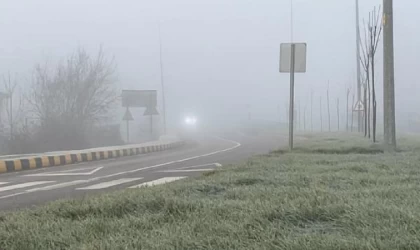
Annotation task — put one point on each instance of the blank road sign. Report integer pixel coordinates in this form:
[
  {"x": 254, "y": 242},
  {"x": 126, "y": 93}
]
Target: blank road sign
[
  {"x": 300, "y": 57},
  {"x": 139, "y": 98}
]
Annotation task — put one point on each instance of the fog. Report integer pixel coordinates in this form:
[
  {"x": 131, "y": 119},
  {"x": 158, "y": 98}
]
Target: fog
[{"x": 220, "y": 57}]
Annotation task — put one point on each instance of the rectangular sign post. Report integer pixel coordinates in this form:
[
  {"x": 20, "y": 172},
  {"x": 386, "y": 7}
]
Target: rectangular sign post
[
  {"x": 292, "y": 60},
  {"x": 292, "y": 95}
]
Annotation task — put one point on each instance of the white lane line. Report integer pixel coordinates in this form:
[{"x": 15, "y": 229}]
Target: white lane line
[
  {"x": 159, "y": 181},
  {"x": 23, "y": 185},
  {"x": 187, "y": 170},
  {"x": 237, "y": 144},
  {"x": 67, "y": 172},
  {"x": 2, "y": 183},
  {"x": 204, "y": 165},
  {"x": 56, "y": 186},
  {"x": 109, "y": 184}
]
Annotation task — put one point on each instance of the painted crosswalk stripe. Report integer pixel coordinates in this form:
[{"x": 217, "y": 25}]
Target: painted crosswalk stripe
[
  {"x": 159, "y": 181},
  {"x": 23, "y": 185},
  {"x": 3, "y": 183},
  {"x": 109, "y": 183}
]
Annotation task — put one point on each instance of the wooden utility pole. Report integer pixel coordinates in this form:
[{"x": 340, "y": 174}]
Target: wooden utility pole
[{"x": 389, "y": 88}]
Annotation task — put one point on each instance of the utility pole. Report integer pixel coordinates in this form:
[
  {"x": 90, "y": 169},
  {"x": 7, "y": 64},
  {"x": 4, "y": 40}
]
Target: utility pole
[
  {"x": 162, "y": 83},
  {"x": 389, "y": 88},
  {"x": 359, "y": 85}
]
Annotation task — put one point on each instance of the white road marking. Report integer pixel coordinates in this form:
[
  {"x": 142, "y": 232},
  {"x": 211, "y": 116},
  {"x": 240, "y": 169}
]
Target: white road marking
[
  {"x": 204, "y": 165},
  {"x": 159, "y": 181},
  {"x": 67, "y": 172},
  {"x": 187, "y": 170},
  {"x": 237, "y": 144},
  {"x": 56, "y": 186},
  {"x": 109, "y": 183},
  {"x": 2, "y": 183},
  {"x": 23, "y": 185}
]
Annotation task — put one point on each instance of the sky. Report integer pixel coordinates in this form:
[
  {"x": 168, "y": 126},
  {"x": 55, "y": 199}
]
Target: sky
[{"x": 220, "y": 57}]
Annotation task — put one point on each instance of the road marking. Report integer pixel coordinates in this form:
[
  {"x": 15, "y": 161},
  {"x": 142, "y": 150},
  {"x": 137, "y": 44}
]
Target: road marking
[
  {"x": 56, "y": 186},
  {"x": 109, "y": 183},
  {"x": 237, "y": 144},
  {"x": 2, "y": 183},
  {"x": 68, "y": 172},
  {"x": 159, "y": 181},
  {"x": 186, "y": 170},
  {"x": 204, "y": 165},
  {"x": 23, "y": 185}
]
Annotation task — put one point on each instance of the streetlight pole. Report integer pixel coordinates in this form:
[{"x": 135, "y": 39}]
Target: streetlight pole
[
  {"x": 389, "y": 88},
  {"x": 291, "y": 21},
  {"x": 162, "y": 83}
]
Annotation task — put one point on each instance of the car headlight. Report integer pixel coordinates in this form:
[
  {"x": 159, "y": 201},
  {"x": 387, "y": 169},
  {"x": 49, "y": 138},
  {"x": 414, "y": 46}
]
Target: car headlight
[{"x": 190, "y": 120}]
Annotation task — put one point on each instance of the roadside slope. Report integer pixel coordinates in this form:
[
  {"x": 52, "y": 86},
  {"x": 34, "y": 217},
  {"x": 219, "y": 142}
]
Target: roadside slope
[{"x": 334, "y": 192}]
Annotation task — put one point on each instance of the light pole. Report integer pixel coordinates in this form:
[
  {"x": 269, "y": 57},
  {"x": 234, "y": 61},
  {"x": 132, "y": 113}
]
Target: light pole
[
  {"x": 389, "y": 88},
  {"x": 162, "y": 83}
]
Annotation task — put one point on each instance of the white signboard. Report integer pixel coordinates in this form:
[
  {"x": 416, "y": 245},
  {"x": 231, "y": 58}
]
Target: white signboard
[{"x": 300, "y": 57}]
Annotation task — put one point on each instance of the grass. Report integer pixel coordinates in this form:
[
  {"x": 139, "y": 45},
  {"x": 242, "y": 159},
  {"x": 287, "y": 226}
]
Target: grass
[{"x": 315, "y": 198}]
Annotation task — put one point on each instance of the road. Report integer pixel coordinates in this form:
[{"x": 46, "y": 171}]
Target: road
[{"x": 35, "y": 187}]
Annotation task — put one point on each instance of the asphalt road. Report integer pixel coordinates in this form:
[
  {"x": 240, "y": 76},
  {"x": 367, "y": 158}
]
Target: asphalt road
[{"x": 35, "y": 187}]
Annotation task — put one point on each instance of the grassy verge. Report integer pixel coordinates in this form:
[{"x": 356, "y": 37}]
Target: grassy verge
[{"x": 332, "y": 193}]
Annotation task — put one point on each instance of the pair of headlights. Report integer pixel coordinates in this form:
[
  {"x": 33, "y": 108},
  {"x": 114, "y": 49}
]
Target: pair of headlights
[{"x": 190, "y": 120}]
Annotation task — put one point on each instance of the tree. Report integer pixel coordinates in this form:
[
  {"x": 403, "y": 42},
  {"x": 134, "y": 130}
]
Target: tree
[
  {"x": 365, "y": 61},
  {"x": 320, "y": 112},
  {"x": 338, "y": 114},
  {"x": 347, "y": 109},
  {"x": 373, "y": 32},
  {"x": 71, "y": 99},
  {"x": 328, "y": 107},
  {"x": 14, "y": 104}
]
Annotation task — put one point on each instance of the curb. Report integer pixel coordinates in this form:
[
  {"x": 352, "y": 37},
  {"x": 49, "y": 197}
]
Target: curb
[{"x": 14, "y": 165}]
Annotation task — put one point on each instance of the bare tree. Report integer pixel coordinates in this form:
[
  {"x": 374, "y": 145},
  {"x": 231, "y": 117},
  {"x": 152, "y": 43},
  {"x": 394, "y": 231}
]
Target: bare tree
[
  {"x": 365, "y": 111},
  {"x": 365, "y": 61},
  {"x": 320, "y": 112},
  {"x": 347, "y": 110},
  {"x": 75, "y": 96},
  {"x": 312, "y": 96},
  {"x": 304, "y": 118},
  {"x": 352, "y": 114},
  {"x": 373, "y": 32},
  {"x": 328, "y": 107},
  {"x": 338, "y": 114},
  {"x": 14, "y": 105}
]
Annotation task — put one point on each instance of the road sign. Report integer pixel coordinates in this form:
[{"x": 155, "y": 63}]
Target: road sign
[
  {"x": 292, "y": 59},
  {"x": 139, "y": 98},
  {"x": 128, "y": 116},
  {"x": 300, "y": 57},
  {"x": 359, "y": 106},
  {"x": 151, "y": 111}
]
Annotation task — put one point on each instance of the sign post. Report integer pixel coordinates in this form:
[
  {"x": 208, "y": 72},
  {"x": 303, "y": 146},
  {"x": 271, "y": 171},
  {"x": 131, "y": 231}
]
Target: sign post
[
  {"x": 292, "y": 60},
  {"x": 140, "y": 99},
  {"x": 292, "y": 95},
  {"x": 128, "y": 117}
]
